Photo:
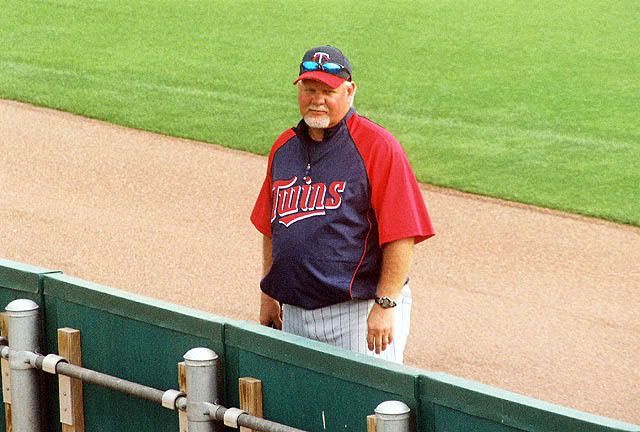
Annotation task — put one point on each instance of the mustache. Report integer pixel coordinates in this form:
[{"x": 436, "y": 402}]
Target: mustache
[{"x": 317, "y": 108}]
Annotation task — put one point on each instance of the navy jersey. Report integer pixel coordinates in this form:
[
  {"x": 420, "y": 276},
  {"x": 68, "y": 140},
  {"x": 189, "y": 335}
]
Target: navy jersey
[{"x": 330, "y": 206}]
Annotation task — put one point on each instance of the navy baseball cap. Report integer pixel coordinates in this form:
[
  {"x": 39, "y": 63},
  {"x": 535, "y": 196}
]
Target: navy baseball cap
[{"x": 326, "y": 64}]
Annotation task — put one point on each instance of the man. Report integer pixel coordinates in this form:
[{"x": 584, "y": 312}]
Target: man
[{"x": 340, "y": 211}]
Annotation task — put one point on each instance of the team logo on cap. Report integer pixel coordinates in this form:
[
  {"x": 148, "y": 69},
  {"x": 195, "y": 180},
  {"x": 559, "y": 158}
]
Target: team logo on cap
[{"x": 321, "y": 57}]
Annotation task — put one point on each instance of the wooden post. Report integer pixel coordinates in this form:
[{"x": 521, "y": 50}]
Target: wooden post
[
  {"x": 182, "y": 383},
  {"x": 71, "y": 396},
  {"x": 6, "y": 377},
  {"x": 371, "y": 423},
  {"x": 251, "y": 398}
]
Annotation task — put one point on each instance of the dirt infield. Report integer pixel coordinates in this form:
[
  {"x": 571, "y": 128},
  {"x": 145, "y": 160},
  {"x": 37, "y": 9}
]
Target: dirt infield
[{"x": 533, "y": 301}]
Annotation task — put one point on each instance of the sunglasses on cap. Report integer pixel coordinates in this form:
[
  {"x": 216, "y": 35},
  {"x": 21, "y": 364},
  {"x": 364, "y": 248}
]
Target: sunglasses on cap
[{"x": 332, "y": 68}]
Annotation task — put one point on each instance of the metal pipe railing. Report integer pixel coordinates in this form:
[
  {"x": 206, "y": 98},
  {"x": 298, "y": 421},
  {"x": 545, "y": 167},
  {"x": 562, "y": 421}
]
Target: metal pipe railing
[
  {"x": 392, "y": 416},
  {"x": 24, "y": 331},
  {"x": 202, "y": 365},
  {"x": 92, "y": 377},
  {"x": 103, "y": 380},
  {"x": 205, "y": 412},
  {"x": 218, "y": 412}
]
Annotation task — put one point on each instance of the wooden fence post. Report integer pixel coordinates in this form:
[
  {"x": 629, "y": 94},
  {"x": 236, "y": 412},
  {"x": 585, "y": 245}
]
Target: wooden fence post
[
  {"x": 71, "y": 396},
  {"x": 251, "y": 398},
  {"x": 182, "y": 383},
  {"x": 371, "y": 423}
]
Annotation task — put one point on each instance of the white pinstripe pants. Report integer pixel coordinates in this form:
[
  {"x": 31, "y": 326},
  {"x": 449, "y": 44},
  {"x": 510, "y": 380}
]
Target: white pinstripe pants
[{"x": 345, "y": 325}]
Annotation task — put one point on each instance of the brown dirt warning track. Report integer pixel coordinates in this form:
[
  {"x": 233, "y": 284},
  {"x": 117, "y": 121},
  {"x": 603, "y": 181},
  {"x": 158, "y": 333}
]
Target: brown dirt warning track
[{"x": 528, "y": 300}]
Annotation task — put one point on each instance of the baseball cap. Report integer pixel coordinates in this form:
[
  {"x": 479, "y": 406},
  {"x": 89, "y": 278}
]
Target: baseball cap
[{"x": 326, "y": 64}]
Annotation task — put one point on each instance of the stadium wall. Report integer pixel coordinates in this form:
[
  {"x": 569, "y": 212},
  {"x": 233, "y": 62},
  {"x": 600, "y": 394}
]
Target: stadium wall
[{"x": 306, "y": 384}]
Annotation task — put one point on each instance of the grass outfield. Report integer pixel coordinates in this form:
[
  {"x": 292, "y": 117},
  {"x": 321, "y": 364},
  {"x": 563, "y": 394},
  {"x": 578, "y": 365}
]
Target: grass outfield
[{"x": 537, "y": 103}]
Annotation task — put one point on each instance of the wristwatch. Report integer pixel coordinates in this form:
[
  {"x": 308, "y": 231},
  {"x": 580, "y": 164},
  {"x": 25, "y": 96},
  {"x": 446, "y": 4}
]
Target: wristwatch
[{"x": 385, "y": 302}]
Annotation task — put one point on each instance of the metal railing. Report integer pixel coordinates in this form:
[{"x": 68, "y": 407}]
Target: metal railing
[{"x": 201, "y": 402}]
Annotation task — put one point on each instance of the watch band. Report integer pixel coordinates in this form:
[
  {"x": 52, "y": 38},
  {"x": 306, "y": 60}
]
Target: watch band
[{"x": 385, "y": 302}]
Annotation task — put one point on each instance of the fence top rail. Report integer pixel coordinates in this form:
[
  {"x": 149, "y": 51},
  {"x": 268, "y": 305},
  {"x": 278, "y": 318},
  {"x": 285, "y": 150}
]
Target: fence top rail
[
  {"x": 507, "y": 407},
  {"x": 22, "y": 277}
]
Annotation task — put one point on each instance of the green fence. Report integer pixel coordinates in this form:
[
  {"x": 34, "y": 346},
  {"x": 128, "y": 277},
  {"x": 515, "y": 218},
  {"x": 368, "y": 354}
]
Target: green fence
[{"x": 306, "y": 384}]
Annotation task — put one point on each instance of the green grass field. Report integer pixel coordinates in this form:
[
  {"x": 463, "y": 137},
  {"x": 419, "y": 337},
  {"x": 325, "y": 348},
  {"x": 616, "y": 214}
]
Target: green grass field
[{"x": 536, "y": 102}]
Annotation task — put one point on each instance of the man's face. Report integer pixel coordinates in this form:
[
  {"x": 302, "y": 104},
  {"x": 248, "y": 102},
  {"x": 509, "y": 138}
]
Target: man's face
[{"x": 322, "y": 106}]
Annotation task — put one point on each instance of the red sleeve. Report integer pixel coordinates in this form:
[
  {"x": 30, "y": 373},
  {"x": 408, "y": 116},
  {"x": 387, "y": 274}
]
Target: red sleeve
[
  {"x": 261, "y": 214},
  {"x": 395, "y": 194}
]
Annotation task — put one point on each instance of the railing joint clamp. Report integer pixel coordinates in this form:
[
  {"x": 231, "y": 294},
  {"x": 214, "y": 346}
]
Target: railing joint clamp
[
  {"x": 50, "y": 363},
  {"x": 231, "y": 417},
  {"x": 170, "y": 397}
]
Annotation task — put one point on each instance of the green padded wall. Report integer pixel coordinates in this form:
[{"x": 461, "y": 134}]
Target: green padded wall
[
  {"x": 454, "y": 404},
  {"x": 303, "y": 379},
  {"x": 130, "y": 337},
  {"x": 142, "y": 340}
]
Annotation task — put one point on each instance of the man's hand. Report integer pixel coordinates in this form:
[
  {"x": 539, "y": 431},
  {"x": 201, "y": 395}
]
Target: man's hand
[
  {"x": 270, "y": 312},
  {"x": 380, "y": 328},
  {"x": 396, "y": 261}
]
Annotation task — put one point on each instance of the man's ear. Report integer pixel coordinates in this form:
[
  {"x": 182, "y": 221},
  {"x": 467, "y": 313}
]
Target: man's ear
[{"x": 351, "y": 92}]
